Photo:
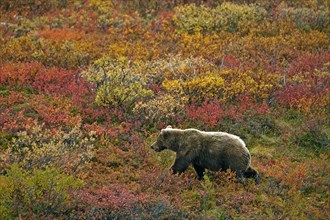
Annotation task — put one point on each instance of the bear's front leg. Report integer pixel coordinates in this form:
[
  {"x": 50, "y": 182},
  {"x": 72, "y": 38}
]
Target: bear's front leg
[
  {"x": 180, "y": 165},
  {"x": 199, "y": 170}
]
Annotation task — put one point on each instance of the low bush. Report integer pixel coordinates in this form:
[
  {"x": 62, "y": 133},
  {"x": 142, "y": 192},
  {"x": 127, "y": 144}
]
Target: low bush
[
  {"x": 32, "y": 7},
  {"x": 41, "y": 193},
  {"x": 118, "y": 82},
  {"x": 40, "y": 147},
  {"x": 308, "y": 18},
  {"x": 225, "y": 17}
]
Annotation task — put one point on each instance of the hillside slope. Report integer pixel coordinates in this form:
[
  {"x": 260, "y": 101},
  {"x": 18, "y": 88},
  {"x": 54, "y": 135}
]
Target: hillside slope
[{"x": 86, "y": 86}]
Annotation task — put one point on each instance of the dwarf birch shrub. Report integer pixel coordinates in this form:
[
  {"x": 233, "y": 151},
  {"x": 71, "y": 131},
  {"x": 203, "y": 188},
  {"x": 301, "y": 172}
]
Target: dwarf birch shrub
[
  {"x": 226, "y": 17},
  {"x": 308, "y": 18},
  {"x": 195, "y": 78},
  {"x": 164, "y": 108},
  {"x": 33, "y": 7},
  {"x": 119, "y": 82},
  {"x": 42, "y": 147},
  {"x": 40, "y": 193}
]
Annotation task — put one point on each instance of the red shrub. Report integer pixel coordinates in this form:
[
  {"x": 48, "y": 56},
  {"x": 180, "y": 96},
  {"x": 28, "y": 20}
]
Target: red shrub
[
  {"x": 231, "y": 62},
  {"x": 50, "y": 81},
  {"x": 307, "y": 83},
  {"x": 113, "y": 196},
  {"x": 209, "y": 112},
  {"x": 19, "y": 74},
  {"x": 213, "y": 112},
  {"x": 12, "y": 99},
  {"x": 14, "y": 123},
  {"x": 307, "y": 63},
  {"x": 53, "y": 112},
  {"x": 244, "y": 106},
  {"x": 118, "y": 198}
]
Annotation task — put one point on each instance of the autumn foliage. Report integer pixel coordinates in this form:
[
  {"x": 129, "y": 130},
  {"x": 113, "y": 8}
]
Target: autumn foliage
[{"x": 86, "y": 85}]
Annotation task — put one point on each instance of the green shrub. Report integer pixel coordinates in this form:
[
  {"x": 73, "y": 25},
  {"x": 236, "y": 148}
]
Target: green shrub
[
  {"x": 312, "y": 135},
  {"x": 226, "y": 17},
  {"x": 43, "y": 192},
  {"x": 32, "y": 6},
  {"x": 308, "y": 18}
]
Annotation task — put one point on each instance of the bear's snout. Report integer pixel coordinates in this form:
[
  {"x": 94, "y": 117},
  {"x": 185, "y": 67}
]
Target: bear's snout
[
  {"x": 157, "y": 147},
  {"x": 154, "y": 147}
]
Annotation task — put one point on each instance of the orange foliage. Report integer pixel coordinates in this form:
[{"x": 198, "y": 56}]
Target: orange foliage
[{"x": 62, "y": 34}]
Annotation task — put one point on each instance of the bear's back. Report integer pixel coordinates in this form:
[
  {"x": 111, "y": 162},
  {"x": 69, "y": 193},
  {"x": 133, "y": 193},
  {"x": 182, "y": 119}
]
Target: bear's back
[
  {"x": 224, "y": 136},
  {"x": 215, "y": 139},
  {"x": 216, "y": 135}
]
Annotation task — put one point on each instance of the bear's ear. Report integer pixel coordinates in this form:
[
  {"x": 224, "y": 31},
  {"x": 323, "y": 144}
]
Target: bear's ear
[{"x": 169, "y": 126}]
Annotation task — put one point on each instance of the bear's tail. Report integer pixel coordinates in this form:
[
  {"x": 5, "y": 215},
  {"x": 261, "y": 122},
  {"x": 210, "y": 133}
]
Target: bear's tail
[{"x": 252, "y": 173}]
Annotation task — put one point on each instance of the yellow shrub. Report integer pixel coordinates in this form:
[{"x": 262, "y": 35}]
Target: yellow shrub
[
  {"x": 19, "y": 49},
  {"x": 65, "y": 53},
  {"x": 211, "y": 46},
  {"x": 173, "y": 86},
  {"x": 199, "y": 80},
  {"x": 195, "y": 78},
  {"x": 257, "y": 83},
  {"x": 312, "y": 40},
  {"x": 209, "y": 85}
]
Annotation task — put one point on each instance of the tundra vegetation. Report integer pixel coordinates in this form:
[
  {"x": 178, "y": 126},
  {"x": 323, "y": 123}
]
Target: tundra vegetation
[{"x": 86, "y": 85}]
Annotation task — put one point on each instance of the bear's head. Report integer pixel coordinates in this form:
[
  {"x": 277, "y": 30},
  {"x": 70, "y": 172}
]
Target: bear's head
[{"x": 165, "y": 140}]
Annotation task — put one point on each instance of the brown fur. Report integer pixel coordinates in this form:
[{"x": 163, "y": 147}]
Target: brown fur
[{"x": 206, "y": 150}]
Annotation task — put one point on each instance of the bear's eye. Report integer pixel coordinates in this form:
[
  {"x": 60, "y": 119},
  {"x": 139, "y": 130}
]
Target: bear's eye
[{"x": 165, "y": 135}]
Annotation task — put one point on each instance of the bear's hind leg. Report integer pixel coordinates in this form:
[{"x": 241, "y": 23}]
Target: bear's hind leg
[{"x": 199, "y": 170}]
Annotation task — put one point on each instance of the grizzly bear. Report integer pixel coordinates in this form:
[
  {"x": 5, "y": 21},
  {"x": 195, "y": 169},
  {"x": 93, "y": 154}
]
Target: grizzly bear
[{"x": 206, "y": 150}]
